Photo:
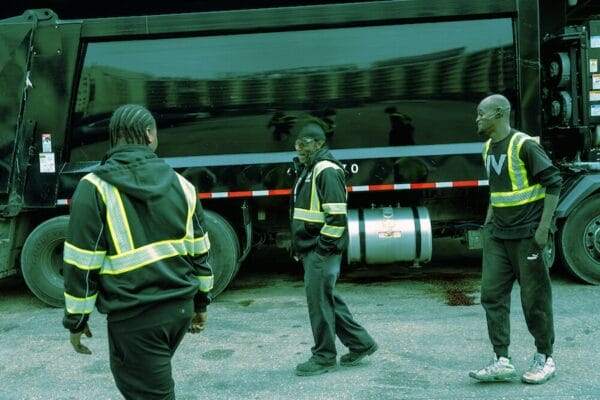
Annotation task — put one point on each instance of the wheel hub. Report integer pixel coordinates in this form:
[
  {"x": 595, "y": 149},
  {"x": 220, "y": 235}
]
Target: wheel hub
[{"x": 592, "y": 238}]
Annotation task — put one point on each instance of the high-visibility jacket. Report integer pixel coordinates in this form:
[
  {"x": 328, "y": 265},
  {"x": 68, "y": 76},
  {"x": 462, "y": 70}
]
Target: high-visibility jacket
[
  {"x": 517, "y": 189},
  {"x": 135, "y": 238},
  {"x": 319, "y": 210}
]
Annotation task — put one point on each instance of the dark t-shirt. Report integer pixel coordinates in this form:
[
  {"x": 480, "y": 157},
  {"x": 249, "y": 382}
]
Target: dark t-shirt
[{"x": 518, "y": 222}]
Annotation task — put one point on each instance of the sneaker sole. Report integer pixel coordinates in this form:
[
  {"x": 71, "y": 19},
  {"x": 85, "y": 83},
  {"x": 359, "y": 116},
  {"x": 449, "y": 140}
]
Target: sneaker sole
[
  {"x": 367, "y": 353},
  {"x": 502, "y": 378},
  {"x": 319, "y": 372},
  {"x": 534, "y": 382}
]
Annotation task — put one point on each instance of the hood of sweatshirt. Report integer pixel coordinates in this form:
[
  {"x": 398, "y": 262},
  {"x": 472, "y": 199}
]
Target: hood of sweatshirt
[
  {"x": 137, "y": 171},
  {"x": 321, "y": 155}
]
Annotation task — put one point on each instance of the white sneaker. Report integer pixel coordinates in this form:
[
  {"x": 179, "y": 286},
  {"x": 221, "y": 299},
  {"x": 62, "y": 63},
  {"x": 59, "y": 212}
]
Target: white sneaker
[
  {"x": 499, "y": 370},
  {"x": 541, "y": 370}
]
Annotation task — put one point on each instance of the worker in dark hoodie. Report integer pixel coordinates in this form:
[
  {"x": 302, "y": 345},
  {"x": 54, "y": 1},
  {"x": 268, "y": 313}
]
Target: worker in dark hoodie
[
  {"x": 137, "y": 249},
  {"x": 319, "y": 236}
]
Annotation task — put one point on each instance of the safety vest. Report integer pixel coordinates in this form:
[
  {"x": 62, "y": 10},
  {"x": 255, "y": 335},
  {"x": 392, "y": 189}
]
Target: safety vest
[
  {"x": 316, "y": 211},
  {"x": 128, "y": 257},
  {"x": 521, "y": 191}
]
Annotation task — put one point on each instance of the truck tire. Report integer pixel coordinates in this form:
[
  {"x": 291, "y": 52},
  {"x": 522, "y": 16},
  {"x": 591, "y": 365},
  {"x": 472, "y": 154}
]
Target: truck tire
[
  {"x": 224, "y": 250},
  {"x": 580, "y": 241},
  {"x": 41, "y": 260}
]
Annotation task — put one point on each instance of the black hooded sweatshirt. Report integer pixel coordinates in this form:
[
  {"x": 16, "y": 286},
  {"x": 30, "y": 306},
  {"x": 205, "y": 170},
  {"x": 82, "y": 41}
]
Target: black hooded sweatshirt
[
  {"x": 157, "y": 211},
  {"x": 331, "y": 189}
]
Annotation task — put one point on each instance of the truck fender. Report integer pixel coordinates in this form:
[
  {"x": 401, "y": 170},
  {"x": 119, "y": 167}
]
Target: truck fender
[{"x": 575, "y": 194}]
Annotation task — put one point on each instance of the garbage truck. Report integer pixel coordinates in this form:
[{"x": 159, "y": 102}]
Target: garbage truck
[{"x": 395, "y": 84}]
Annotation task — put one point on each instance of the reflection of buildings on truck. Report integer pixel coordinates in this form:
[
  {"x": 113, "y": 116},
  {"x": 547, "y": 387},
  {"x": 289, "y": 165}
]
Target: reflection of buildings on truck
[
  {"x": 230, "y": 89},
  {"x": 450, "y": 74}
]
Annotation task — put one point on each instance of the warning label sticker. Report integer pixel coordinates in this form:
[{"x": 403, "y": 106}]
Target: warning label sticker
[
  {"x": 47, "y": 165},
  {"x": 596, "y": 81}
]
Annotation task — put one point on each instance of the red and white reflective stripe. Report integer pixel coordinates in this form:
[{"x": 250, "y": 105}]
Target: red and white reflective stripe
[
  {"x": 413, "y": 186},
  {"x": 363, "y": 188}
]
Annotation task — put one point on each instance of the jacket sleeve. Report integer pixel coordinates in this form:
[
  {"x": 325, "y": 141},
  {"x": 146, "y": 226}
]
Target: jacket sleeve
[
  {"x": 84, "y": 252},
  {"x": 331, "y": 188},
  {"x": 200, "y": 260},
  {"x": 541, "y": 167}
]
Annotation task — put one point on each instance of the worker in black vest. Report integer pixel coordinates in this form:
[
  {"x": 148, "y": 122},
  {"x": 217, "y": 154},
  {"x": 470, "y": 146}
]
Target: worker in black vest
[
  {"x": 320, "y": 235},
  {"x": 524, "y": 190},
  {"x": 137, "y": 249}
]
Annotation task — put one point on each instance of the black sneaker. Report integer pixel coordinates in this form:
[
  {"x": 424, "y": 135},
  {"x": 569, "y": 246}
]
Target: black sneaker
[
  {"x": 311, "y": 367},
  {"x": 353, "y": 358}
]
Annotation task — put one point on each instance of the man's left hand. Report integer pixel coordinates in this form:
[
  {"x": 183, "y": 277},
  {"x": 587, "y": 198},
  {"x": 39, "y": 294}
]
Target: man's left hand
[
  {"x": 76, "y": 340},
  {"x": 198, "y": 322}
]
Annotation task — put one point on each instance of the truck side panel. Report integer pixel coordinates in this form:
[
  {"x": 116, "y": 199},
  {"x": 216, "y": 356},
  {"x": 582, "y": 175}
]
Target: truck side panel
[{"x": 401, "y": 111}]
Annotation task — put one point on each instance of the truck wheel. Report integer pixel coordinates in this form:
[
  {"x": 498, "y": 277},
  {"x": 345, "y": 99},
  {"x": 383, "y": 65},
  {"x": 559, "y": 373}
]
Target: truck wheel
[
  {"x": 42, "y": 261},
  {"x": 580, "y": 241},
  {"x": 224, "y": 250}
]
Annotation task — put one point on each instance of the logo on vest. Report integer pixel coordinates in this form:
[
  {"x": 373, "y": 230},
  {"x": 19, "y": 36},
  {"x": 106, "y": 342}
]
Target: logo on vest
[{"x": 495, "y": 164}]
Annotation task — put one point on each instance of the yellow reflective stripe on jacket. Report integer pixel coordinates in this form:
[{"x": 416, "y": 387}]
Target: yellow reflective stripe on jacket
[
  {"x": 145, "y": 255},
  {"x": 333, "y": 231},
  {"x": 129, "y": 258},
  {"x": 334, "y": 208},
  {"x": 518, "y": 197},
  {"x": 516, "y": 166},
  {"x": 190, "y": 195},
  {"x": 486, "y": 149},
  {"x": 79, "y": 305},
  {"x": 206, "y": 283},
  {"x": 83, "y": 259},
  {"x": 308, "y": 215},
  {"x": 116, "y": 218},
  {"x": 199, "y": 245},
  {"x": 314, "y": 196}
]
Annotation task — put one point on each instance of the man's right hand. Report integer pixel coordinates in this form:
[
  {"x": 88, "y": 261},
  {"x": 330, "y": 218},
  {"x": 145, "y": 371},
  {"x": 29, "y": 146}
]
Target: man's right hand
[{"x": 198, "y": 322}]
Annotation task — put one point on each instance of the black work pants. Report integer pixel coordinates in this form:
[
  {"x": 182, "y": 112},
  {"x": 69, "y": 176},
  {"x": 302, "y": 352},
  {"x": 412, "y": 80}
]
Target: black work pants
[
  {"x": 507, "y": 260},
  {"x": 329, "y": 315},
  {"x": 141, "y": 349}
]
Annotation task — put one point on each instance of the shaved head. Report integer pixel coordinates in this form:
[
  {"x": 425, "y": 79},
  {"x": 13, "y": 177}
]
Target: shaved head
[
  {"x": 493, "y": 117},
  {"x": 496, "y": 104}
]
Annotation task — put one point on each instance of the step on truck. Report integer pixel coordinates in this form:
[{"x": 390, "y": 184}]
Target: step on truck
[{"x": 395, "y": 84}]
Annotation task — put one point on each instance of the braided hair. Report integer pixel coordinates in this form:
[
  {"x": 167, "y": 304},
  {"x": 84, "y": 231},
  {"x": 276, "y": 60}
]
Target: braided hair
[{"x": 129, "y": 122}]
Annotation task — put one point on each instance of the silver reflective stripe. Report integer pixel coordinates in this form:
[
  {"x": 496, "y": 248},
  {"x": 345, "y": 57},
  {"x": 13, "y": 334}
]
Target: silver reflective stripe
[
  {"x": 334, "y": 208},
  {"x": 308, "y": 215},
  {"x": 116, "y": 218},
  {"x": 206, "y": 283},
  {"x": 200, "y": 245},
  {"x": 83, "y": 259},
  {"x": 516, "y": 166},
  {"x": 145, "y": 255},
  {"x": 321, "y": 165},
  {"x": 78, "y": 305},
  {"x": 333, "y": 231},
  {"x": 518, "y": 197}
]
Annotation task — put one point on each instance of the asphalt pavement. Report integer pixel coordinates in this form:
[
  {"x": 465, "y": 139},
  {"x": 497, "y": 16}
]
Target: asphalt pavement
[{"x": 428, "y": 322}]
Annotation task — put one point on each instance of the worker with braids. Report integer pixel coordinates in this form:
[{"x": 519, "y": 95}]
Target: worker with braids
[{"x": 137, "y": 250}]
